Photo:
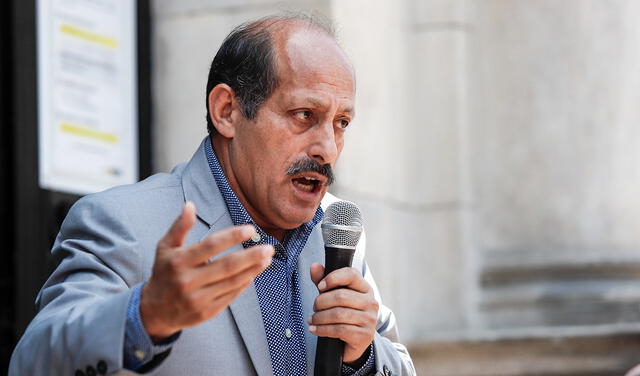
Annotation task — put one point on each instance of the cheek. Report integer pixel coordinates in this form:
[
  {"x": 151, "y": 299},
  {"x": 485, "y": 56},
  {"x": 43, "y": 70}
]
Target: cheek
[
  {"x": 339, "y": 143},
  {"x": 273, "y": 159}
]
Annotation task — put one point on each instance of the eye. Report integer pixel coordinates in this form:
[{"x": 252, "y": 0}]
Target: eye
[
  {"x": 343, "y": 123},
  {"x": 303, "y": 115}
]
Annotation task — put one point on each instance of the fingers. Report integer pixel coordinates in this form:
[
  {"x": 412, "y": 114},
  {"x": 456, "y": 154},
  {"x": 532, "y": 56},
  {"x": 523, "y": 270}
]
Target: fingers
[
  {"x": 341, "y": 315},
  {"x": 357, "y": 339},
  {"x": 226, "y": 272},
  {"x": 223, "y": 301},
  {"x": 345, "y": 298},
  {"x": 317, "y": 272},
  {"x": 345, "y": 332},
  {"x": 346, "y": 308},
  {"x": 216, "y": 243},
  {"x": 345, "y": 277},
  {"x": 202, "y": 309},
  {"x": 236, "y": 264},
  {"x": 216, "y": 294},
  {"x": 180, "y": 228}
]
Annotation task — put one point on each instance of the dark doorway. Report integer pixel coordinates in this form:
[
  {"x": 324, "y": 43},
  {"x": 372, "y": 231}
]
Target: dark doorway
[
  {"x": 7, "y": 335},
  {"x": 31, "y": 216}
]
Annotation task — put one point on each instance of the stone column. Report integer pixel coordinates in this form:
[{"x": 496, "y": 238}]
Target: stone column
[
  {"x": 555, "y": 167},
  {"x": 556, "y": 162},
  {"x": 405, "y": 160}
]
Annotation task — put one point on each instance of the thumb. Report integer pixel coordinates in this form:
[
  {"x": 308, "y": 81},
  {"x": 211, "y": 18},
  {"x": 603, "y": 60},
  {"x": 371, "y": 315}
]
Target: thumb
[
  {"x": 317, "y": 273},
  {"x": 180, "y": 228}
]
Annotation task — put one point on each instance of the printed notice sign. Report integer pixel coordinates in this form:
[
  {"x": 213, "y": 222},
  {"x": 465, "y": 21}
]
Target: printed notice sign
[{"x": 87, "y": 94}]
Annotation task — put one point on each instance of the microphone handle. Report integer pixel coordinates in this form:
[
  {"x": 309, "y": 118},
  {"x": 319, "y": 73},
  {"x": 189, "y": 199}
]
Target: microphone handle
[{"x": 329, "y": 350}]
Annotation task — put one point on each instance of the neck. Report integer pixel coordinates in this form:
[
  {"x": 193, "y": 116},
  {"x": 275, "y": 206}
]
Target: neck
[
  {"x": 221, "y": 150},
  {"x": 276, "y": 233}
]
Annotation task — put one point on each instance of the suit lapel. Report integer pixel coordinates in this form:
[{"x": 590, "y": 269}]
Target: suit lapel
[
  {"x": 246, "y": 312},
  {"x": 313, "y": 251},
  {"x": 200, "y": 187}
]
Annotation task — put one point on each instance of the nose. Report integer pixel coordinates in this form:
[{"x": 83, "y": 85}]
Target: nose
[{"x": 324, "y": 147}]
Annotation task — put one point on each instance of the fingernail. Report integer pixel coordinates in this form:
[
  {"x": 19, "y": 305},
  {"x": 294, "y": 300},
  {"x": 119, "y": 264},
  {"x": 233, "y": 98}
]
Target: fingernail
[
  {"x": 312, "y": 328},
  {"x": 322, "y": 285},
  {"x": 309, "y": 320}
]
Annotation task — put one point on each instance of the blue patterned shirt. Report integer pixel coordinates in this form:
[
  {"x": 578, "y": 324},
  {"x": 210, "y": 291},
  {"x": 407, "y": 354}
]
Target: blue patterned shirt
[{"x": 278, "y": 290}]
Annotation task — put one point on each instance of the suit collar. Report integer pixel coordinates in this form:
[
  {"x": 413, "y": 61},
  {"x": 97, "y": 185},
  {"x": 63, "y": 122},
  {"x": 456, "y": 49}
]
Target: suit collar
[{"x": 200, "y": 187}]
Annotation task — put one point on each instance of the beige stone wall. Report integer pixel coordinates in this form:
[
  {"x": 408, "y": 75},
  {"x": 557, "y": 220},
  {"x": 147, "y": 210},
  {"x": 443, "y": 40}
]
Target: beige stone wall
[
  {"x": 555, "y": 161},
  {"x": 406, "y": 159}
]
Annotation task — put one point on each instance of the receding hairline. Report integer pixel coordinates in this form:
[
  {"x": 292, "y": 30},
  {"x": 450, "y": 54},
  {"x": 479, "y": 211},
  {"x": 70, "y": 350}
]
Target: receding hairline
[
  {"x": 286, "y": 23},
  {"x": 279, "y": 26},
  {"x": 281, "y": 22}
]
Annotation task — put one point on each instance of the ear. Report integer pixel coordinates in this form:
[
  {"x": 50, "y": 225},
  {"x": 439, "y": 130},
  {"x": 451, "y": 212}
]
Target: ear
[{"x": 224, "y": 109}]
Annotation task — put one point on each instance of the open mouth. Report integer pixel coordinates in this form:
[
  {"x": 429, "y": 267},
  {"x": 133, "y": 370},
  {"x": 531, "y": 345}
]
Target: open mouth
[{"x": 307, "y": 184}]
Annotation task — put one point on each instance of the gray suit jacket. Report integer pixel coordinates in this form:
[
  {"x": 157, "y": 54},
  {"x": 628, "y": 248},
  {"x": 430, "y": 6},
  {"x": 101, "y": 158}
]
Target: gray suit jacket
[{"x": 107, "y": 246}]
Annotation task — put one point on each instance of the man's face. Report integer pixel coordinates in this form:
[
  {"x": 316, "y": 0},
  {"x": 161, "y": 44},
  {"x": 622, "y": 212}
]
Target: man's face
[{"x": 303, "y": 120}]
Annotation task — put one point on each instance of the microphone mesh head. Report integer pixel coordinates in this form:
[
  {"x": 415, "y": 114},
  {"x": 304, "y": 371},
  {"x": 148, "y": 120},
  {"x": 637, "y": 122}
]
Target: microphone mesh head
[{"x": 342, "y": 225}]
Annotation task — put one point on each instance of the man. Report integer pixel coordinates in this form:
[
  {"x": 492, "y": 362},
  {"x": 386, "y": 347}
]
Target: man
[{"x": 235, "y": 286}]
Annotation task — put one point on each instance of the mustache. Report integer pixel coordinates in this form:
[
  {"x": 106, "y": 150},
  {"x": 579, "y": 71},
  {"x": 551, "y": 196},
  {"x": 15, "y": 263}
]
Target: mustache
[{"x": 311, "y": 165}]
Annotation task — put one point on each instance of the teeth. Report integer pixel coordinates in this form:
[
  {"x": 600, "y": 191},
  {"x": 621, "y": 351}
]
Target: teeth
[
  {"x": 308, "y": 178},
  {"x": 305, "y": 187}
]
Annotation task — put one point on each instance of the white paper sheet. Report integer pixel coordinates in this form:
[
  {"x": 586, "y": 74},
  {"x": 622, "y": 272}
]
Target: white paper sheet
[{"x": 87, "y": 93}]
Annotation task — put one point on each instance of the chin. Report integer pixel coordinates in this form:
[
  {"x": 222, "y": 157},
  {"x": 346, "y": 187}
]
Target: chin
[{"x": 295, "y": 218}]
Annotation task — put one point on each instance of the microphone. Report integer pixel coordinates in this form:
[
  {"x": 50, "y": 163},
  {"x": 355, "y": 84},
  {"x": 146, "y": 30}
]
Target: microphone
[{"x": 341, "y": 230}]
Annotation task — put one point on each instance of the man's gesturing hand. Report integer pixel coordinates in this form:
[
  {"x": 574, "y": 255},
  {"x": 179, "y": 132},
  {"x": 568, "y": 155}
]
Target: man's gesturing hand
[
  {"x": 346, "y": 308},
  {"x": 185, "y": 289}
]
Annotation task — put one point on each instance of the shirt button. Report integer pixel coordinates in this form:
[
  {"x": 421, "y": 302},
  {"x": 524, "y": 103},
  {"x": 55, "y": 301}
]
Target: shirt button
[
  {"x": 139, "y": 354},
  {"x": 255, "y": 238},
  {"x": 288, "y": 333}
]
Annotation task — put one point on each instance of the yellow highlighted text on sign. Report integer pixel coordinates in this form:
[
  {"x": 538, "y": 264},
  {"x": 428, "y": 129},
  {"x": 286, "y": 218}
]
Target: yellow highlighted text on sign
[
  {"x": 87, "y": 132},
  {"x": 89, "y": 36}
]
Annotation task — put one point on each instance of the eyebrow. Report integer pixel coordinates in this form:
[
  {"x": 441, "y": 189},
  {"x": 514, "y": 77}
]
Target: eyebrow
[{"x": 319, "y": 103}]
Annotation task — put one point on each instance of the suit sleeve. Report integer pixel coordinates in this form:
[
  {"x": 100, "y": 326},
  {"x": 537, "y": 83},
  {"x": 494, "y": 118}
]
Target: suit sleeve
[
  {"x": 391, "y": 357},
  {"x": 83, "y": 305}
]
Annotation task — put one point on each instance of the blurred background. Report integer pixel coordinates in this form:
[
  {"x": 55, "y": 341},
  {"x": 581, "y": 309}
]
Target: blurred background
[{"x": 495, "y": 155}]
